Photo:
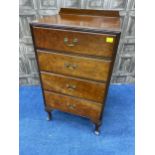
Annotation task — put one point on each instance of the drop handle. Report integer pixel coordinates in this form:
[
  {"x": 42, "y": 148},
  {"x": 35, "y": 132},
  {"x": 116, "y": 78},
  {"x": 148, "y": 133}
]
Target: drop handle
[
  {"x": 71, "y": 86},
  {"x": 70, "y": 66},
  {"x": 71, "y": 106},
  {"x": 72, "y": 43}
]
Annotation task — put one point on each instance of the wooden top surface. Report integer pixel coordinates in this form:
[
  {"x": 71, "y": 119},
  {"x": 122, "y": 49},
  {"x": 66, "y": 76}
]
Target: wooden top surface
[{"x": 80, "y": 18}]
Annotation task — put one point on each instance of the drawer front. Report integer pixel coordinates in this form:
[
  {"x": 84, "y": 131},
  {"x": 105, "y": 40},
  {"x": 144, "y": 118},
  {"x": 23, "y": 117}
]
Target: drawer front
[
  {"x": 73, "y": 86},
  {"x": 89, "y": 68},
  {"x": 73, "y": 105},
  {"x": 76, "y": 42}
]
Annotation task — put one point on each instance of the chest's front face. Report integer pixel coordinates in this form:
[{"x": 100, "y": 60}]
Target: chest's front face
[{"x": 75, "y": 67}]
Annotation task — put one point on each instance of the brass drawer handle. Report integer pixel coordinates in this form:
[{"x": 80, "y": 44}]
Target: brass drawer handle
[
  {"x": 71, "y": 87},
  {"x": 71, "y": 106},
  {"x": 73, "y": 43},
  {"x": 70, "y": 66}
]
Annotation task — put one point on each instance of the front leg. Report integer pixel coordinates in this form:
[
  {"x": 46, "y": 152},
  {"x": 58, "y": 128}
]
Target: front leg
[
  {"x": 49, "y": 115},
  {"x": 97, "y": 126}
]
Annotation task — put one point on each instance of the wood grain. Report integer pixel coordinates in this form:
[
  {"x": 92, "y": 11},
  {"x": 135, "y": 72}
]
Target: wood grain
[
  {"x": 89, "y": 12},
  {"x": 73, "y": 86},
  {"x": 73, "y": 105},
  {"x": 94, "y": 69},
  {"x": 75, "y": 60},
  {"x": 88, "y": 43},
  {"x": 81, "y": 21}
]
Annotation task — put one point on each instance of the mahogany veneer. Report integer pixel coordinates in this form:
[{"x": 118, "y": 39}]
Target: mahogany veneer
[{"x": 75, "y": 52}]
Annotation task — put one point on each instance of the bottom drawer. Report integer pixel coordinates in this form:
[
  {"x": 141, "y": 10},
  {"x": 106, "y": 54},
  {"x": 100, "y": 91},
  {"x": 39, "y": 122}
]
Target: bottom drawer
[{"x": 73, "y": 105}]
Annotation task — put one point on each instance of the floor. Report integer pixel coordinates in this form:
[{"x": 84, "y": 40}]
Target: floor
[{"x": 72, "y": 135}]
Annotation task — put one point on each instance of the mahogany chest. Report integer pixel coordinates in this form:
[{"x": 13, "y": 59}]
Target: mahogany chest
[{"x": 75, "y": 52}]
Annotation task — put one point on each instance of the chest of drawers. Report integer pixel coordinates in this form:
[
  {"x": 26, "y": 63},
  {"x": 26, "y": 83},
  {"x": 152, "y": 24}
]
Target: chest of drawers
[{"x": 75, "y": 52}]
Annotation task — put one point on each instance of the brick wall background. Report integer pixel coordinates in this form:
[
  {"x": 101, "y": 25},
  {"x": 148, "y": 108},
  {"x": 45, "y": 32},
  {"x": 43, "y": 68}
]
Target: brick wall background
[{"x": 124, "y": 69}]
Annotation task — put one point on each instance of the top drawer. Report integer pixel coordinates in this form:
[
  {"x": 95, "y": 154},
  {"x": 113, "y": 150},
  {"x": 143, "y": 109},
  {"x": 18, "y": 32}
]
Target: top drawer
[{"x": 75, "y": 42}]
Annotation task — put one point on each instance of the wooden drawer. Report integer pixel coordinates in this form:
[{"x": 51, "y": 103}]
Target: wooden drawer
[
  {"x": 73, "y": 86},
  {"x": 75, "y": 42},
  {"x": 73, "y": 105},
  {"x": 95, "y": 69}
]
